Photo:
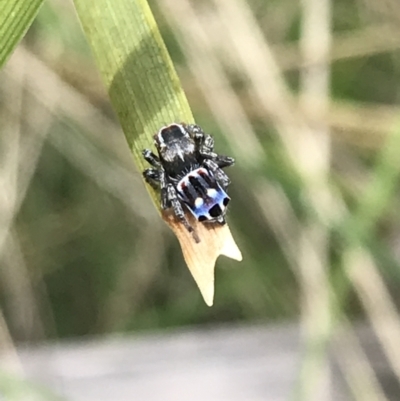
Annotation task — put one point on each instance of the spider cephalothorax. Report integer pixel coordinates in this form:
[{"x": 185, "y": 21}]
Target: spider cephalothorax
[{"x": 189, "y": 173}]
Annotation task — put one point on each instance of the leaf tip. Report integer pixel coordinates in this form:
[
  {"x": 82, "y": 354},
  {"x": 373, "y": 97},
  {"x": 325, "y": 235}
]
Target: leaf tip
[{"x": 201, "y": 256}]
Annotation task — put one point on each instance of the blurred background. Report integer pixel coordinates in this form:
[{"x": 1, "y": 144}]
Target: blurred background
[{"x": 306, "y": 96}]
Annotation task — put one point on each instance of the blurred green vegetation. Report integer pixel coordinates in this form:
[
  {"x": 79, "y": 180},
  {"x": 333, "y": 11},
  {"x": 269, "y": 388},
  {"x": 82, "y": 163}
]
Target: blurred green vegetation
[{"x": 90, "y": 246}]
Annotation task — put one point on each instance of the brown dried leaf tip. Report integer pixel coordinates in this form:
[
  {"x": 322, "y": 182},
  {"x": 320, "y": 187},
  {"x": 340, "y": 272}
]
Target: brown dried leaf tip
[{"x": 201, "y": 256}]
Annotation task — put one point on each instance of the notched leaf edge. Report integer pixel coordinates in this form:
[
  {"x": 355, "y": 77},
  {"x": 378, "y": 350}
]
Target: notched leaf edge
[{"x": 200, "y": 257}]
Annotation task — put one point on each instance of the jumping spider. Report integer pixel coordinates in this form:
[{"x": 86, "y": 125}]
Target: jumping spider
[{"x": 189, "y": 173}]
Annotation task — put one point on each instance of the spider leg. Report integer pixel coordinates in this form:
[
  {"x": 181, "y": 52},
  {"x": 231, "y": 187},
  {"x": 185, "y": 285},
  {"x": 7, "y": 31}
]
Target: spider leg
[
  {"x": 174, "y": 202},
  {"x": 206, "y": 150},
  {"x": 165, "y": 203},
  {"x": 204, "y": 142},
  {"x": 205, "y": 146},
  {"x": 221, "y": 220},
  {"x": 151, "y": 158},
  {"x": 197, "y": 134},
  {"x": 222, "y": 161},
  {"x": 219, "y": 175},
  {"x": 152, "y": 176},
  {"x": 156, "y": 178},
  {"x": 169, "y": 198}
]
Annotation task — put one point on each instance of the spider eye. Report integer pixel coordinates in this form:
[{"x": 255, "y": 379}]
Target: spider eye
[
  {"x": 202, "y": 218},
  {"x": 226, "y": 201}
]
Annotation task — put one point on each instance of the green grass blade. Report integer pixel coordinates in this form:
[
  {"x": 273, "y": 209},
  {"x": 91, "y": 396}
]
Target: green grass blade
[
  {"x": 16, "y": 17},
  {"x": 142, "y": 83},
  {"x": 359, "y": 228}
]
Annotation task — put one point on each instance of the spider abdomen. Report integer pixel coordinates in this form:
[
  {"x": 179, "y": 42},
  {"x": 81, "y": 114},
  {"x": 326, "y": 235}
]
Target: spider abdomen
[{"x": 203, "y": 195}]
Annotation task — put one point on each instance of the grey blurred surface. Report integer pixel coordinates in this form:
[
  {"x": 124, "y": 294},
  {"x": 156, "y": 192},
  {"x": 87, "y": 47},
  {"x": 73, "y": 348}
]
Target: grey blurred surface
[
  {"x": 216, "y": 364},
  {"x": 256, "y": 363}
]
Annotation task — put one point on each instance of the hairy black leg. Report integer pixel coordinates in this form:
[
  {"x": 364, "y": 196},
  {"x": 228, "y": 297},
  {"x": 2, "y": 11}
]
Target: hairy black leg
[
  {"x": 223, "y": 161},
  {"x": 219, "y": 175},
  {"x": 156, "y": 178},
  {"x": 204, "y": 143},
  {"x": 169, "y": 198},
  {"x": 205, "y": 146},
  {"x": 206, "y": 151},
  {"x": 178, "y": 209},
  {"x": 220, "y": 160},
  {"x": 196, "y": 133},
  {"x": 221, "y": 220},
  {"x": 151, "y": 158},
  {"x": 152, "y": 176},
  {"x": 165, "y": 203}
]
